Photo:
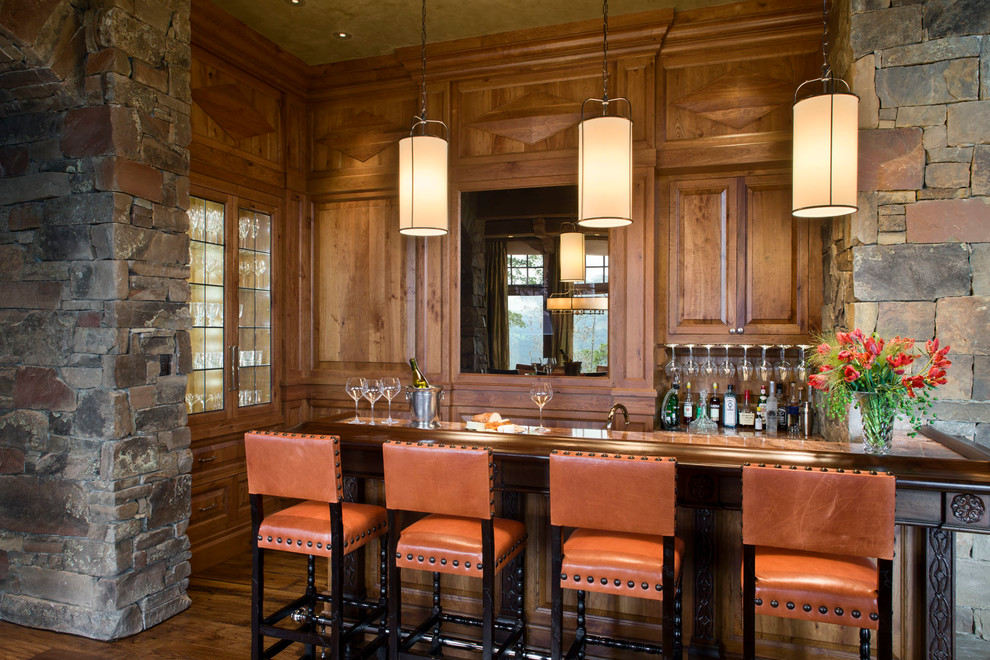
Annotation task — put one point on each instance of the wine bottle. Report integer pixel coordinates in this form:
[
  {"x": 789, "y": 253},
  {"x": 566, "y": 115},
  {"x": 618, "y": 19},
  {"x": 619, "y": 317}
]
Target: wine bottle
[
  {"x": 688, "y": 408},
  {"x": 419, "y": 380},
  {"x": 715, "y": 405}
]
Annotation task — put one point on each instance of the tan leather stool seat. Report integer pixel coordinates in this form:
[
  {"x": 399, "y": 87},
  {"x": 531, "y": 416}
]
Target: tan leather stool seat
[
  {"x": 617, "y": 563},
  {"x": 801, "y": 584},
  {"x": 305, "y": 528},
  {"x": 452, "y": 544}
]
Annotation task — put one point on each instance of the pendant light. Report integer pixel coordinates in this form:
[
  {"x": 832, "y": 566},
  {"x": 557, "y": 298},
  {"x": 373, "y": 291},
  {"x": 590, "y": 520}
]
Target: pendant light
[
  {"x": 605, "y": 158},
  {"x": 423, "y": 169},
  {"x": 571, "y": 254},
  {"x": 826, "y": 145}
]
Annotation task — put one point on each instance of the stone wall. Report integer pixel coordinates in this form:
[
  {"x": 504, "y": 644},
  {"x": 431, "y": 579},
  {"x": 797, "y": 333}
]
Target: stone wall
[
  {"x": 915, "y": 259},
  {"x": 94, "y": 345}
]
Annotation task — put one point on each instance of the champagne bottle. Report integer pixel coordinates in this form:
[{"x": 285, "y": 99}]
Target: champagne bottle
[
  {"x": 419, "y": 380},
  {"x": 563, "y": 355}
]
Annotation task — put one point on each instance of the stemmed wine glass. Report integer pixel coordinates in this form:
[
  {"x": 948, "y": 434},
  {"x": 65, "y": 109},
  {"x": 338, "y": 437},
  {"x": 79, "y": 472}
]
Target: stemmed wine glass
[
  {"x": 746, "y": 366},
  {"x": 541, "y": 392},
  {"x": 726, "y": 369},
  {"x": 801, "y": 370},
  {"x": 708, "y": 367},
  {"x": 763, "y": 368},
  {"x": 390, "y": 389},
  {"x": 671, "y": 368},
  {"x": 783, "y": 367},
  {"x": 372, "y": 392},
  {"x": 690, "y": 367},
  {"x": 355, "y": 389}
]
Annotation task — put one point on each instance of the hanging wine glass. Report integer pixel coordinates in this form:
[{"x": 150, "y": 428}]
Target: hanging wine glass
[
  {"x": 801, "y": 370},
  {"x": 690, "y": 367},
  {"x": 764, "y": 369},
  {"x": 671, "y": 368},
  {"x": 726, "y": 369},
  {"x": 783, "y": 368},
  {"x": 708, "y": 367},
  {"x": 745, "y": 367}
]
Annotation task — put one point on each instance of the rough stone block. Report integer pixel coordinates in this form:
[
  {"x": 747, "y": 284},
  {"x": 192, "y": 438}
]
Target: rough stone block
[
  {"x": 98, "y": 558},
  {"x": 82, "y": 378},
  {"x": 934, "y": 50},
  {"x": 960, "y": 379},
  {"x": 40, "y": 338},
  {"x": 959, "y": 429},
  {"x": 947, "y": 175},
  {"x": 891, "y": 159},
  {"x": 58, "y": 586},
  {"x": 943, "y": 193},
  {"x": 108, "y": 60},
  {"x": 128, "y": 370},
  {"x": 968, "y": 123},
  {"x": 142, "y": 397},
  {"x": 962, "y": 411},
  {"x": 40, "y": 388},
  {"x": 99, "y": 130},
  {"x": 949, "y": 18},
  {"x": 31, "y": 295},
  {"x": 14, "y": 161},
  {"x": 892, "y": 222},
  {"x": 88, "y": 208},
  {"x": 99, "y": 280},
  {"x": 102, "y": 414},
  {"x": 863, "y": 223},
  {"x": 155, "y": 614},
  {"x": 929, "y": 84},
  {"x": 980, "y": 177},
  {"x": 962, "y": 322},
  {"x": 32, "y": 187},
  {"x": 148, "y": 288},
  {"x": 170, "y": 219},
  {"x": 151, "y": 76},
  {"x": 907, "y": 319},
  {"x": 65, "y": 243},
  {"x": 170, "y": 501},
  {"x": 933, "y": 221},
  {"x": 98, "y": 341},
  {"x": 127, "y": 242},
  {"x": 134, "y": 178},
  {"x": 24, "y": 217},
  {"x": 972, "y": 583},
  {"x": 935, "y": 137},
  {"x": 985, "y": 70},
  {"x": 160, "y": 418},
  {"x": 951, "y": 155},
  {"x": 910, "y": 272},
  {"x": 979, "y": 260},
  {"x": 890, "y": 238},
  {"x": 142, "y": 314},
  {"x": 11, "y": 462},
  {"x": 921, "y": 115},
  {"x": 42, "y": 506},
  {"x": 876, "y": 30},
  {"x": 171, "y": 389},
  {"x": 983, "y": 435},
  {"x": 130, "y": 457}
]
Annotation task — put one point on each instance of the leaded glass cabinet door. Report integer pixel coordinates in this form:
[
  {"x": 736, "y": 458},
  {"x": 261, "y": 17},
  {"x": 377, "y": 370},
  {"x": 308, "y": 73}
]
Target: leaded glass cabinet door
[
  {"x": 205, "y": 385},
  {"x": 254, "y": 312}
]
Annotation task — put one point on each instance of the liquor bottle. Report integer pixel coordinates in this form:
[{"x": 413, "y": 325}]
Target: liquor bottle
[
  {"x": 771, "y": 409},
  {"x": 670, "y": 409},
  {"x": 688, "y": 407},
  {"x": 715, "y": 405},
  {"x": 781, "y": 409},
  {"x": 761, "y": 404},
  {"x": 807, "y": 414},
  {"x": 419, "y": 380},
  {"x": 729, "y": 416},
  {"x": 794, "y": 411},
  {"x": 747, "y": 416}
]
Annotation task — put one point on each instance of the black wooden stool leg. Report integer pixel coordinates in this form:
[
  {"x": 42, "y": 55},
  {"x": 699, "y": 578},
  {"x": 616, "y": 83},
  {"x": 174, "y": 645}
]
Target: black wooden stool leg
[
  {"x": 864, "y": 644},
  {"x": 556, "y": 596},
  {"x": 437, "y": 647},
  {"x": 678, "y": 623},
  {"x": 395, "y": 590},
  {"x": 257, "y": 600},
  {"x": 581, "y": 632}
]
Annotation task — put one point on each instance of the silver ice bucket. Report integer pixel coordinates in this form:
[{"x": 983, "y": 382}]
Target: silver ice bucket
[{"x": 424, "y": 406}]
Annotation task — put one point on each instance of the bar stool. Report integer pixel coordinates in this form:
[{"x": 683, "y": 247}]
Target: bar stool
[
  {"x": 307, "y": 467},
  {"x": 623, "y": 509},
  {"x": 818, "y": 545},
  {"x": 460, "y": 536}
]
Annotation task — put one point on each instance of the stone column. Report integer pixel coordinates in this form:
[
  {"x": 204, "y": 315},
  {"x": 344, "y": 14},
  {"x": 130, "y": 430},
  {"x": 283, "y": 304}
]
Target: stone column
[{"x": 94, "y": 345}]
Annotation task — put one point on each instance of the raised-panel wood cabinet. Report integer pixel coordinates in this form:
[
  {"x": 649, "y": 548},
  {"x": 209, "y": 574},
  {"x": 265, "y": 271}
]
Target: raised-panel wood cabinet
[{"x": 740, "y": 268}]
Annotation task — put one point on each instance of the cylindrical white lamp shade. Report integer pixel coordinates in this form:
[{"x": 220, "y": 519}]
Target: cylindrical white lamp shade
[
  {"x": 590, "y": 302},
  {"x": 572, "y": 257},
  {"x": 826, "y": 152},
  {"x": 423, "y": 185},
  {"x": 605, "y": 172}
]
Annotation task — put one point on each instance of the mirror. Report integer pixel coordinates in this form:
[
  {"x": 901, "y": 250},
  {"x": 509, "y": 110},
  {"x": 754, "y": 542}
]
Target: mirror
[{"x": 517, "y": 314}]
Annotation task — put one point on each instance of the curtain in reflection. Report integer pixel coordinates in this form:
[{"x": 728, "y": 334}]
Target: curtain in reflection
[
  {"x": 562, "y": 324},
  {"x": 497, "y": 298}
]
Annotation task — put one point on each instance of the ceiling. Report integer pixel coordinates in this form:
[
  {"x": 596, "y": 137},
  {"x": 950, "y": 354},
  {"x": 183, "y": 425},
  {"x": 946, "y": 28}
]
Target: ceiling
[{"x": 377, "y": 27}]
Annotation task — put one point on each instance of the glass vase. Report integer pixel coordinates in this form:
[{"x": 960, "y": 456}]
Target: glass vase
[{"x": 878, "y": 422}]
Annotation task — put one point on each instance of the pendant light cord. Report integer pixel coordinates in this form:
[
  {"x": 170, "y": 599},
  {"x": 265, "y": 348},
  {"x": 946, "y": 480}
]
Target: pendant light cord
[
  {"x": 826, "y": 69},
  {"x": 604, "y": 52},
  {"x": 422, "y": 52}
]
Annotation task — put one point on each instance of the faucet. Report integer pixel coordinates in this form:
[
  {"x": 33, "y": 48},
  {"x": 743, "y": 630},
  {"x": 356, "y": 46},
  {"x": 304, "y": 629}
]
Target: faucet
[{"x": 610, "y": 420}]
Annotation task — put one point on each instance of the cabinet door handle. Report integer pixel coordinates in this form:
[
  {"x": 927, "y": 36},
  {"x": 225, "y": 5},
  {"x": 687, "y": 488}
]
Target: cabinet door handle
[
  {"x": 207, "y": 508},
  {"x": 235, "y": 370},
  {"x": 739, "y": 330},
  {"x": 732, "y": 331},
  {"x": 208, "y": 459}
]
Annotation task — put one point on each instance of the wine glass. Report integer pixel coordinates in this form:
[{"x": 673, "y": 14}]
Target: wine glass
[
  {"x": 691, "y": 367},
  {"x": 783, "y": 367},
  {"x": 372, "y": 392},
  {"x": 763, "y": 368},
  {"x": 746, "y": 366},
  {"x": 671, "y": 368},
  {"x": 390, "y": 389},
  {"x": 541, "y": 392},
  {"x": 801, "y": 370},
  {"x": 355, "y": 389},
  {"x": 708, "y": 367},
  {"x": 726, "y": 369}
]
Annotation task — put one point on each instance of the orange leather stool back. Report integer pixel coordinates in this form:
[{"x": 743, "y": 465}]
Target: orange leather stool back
[
  {"x": 304, "y": 467},
  {"x": 447, "y": 479}
]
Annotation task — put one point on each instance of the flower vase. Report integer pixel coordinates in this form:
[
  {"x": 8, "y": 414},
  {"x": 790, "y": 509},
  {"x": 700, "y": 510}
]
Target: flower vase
[{"x": 878, "y": 422}]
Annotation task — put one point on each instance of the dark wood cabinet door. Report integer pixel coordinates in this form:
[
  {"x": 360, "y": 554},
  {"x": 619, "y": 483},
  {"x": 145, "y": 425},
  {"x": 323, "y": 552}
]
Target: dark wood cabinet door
[{"x": 702, "y": 256}]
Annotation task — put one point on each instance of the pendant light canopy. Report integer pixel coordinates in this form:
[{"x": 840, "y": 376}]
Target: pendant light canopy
[
  {"x": 605, "y": 158},
  {"x": 826, "y": 145},
  {"x": 423, "y": 169},
  {"x": 572, "y": 260}
]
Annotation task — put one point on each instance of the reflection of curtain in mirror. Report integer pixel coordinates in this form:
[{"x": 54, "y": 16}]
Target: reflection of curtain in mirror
[
  {"x": 497, "y": 298},
  {"x": 562, "y": 324}
]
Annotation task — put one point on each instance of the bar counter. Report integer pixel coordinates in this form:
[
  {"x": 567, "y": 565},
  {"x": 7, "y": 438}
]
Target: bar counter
[{"x": 943, "y": 486}]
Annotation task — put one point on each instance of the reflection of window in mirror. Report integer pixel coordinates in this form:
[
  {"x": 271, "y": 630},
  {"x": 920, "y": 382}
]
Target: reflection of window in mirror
[{"x": 510, "y": 269}]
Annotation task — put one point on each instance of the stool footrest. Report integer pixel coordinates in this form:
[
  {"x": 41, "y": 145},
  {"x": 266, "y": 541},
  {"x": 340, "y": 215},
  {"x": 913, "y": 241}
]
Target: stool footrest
[
  {"x": 286, "y": 610},
  {"x": 624, "y": 644}
]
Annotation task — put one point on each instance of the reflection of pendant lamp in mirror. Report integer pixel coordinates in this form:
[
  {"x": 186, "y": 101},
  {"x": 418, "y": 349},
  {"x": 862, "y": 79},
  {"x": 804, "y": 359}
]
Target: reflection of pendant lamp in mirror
[
  {"x": 423, "y": 170},
  {"x": 605, "y": 158},
  {"x": 571, "y": 255},
  {"x": 826, "y": 145}
]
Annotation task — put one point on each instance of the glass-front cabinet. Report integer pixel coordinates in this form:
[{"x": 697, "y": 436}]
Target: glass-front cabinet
[{"x": 231, "y": 248}]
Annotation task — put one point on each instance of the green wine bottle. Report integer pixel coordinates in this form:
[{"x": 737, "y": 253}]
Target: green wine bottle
[{"x": 419, "y": 380}]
